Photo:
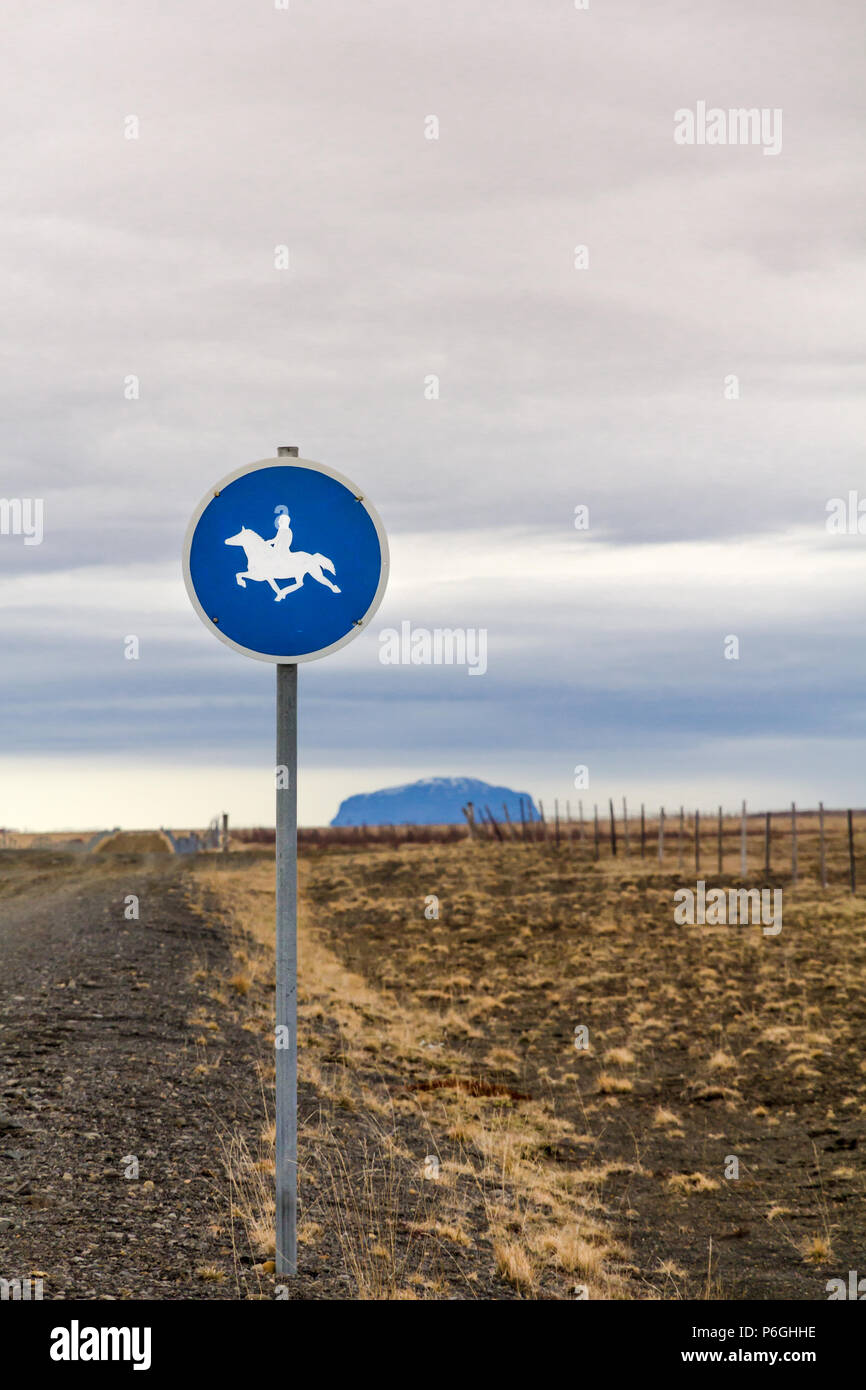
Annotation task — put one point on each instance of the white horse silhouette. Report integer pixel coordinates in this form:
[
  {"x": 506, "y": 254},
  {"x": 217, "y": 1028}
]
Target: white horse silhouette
[{"x": 263, "y": 562}]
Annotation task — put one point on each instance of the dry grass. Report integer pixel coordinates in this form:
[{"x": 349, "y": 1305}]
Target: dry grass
[
  {"x": 666, "y": 1119},
  {"x": 501, "y": 1159},
  {"x": 514, "y": 1265},
  {"x": 693, "y": 1182},
  {"x": 816, "y": 1250},
  {"x": 618, "y": 1057},
  {"x": 528, "y": 946},
  {"x": 721, "y": 1061},
  {"x": 610, "y": 1085}
]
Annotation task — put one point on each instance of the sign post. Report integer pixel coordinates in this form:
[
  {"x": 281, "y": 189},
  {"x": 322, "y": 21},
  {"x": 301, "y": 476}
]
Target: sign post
[
  {"x": 286, "y": 1033},
  {"x": 286, "y": 604}
]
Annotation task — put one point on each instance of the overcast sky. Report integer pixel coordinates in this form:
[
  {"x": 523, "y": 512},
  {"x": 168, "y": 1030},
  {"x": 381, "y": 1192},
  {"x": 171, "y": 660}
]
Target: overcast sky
[{"x": 411, "y": 257}]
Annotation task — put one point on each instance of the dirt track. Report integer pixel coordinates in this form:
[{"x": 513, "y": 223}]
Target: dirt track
[{"x": 99, "y": 1065}]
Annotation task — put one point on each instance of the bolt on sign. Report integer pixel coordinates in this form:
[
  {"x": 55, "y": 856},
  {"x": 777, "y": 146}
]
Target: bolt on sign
[{"x": 286, "y": 561}]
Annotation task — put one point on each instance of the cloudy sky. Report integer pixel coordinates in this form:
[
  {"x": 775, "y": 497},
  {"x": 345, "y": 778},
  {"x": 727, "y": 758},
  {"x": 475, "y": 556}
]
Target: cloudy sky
[{"x": 608, "y": 386}]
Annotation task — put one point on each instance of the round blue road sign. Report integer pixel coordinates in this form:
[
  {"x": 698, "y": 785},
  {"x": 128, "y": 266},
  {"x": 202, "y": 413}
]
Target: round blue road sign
[{"x": 285, "y": 560}]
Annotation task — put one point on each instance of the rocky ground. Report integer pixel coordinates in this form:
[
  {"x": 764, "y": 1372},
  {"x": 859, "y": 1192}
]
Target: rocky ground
[{"x": 112, "y": 1183}]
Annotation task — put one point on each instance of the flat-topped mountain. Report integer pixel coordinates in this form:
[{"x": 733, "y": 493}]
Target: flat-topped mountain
[{"x": 432, "y": 801}]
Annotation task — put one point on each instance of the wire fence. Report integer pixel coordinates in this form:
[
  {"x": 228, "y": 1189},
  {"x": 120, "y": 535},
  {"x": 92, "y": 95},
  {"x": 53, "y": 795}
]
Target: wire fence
[{"x": 777, "y": 845}]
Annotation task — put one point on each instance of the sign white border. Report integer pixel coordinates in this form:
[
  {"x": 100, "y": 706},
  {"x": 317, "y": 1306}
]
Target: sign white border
[{"x": 287, "y": 461}]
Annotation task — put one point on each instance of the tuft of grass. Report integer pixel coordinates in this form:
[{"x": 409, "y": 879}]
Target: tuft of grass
[
  {"x": 692, "y": 1182},
  {"x": 573, "y": 1253},
  {"x": 514, "y": 1265},
  {"x": 776, "y": 1212},
  {"x": 618, "y": 1057},
  {"x": 816, "y": 1250},
  {"x": 444, "y": 1230},
  {"x": 666, "y": 1119},
  {"x": 609, "y": 1085}
]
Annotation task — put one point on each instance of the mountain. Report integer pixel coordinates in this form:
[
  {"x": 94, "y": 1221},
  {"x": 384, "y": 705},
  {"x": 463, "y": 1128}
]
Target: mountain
[{"x": 432, "y": 801}]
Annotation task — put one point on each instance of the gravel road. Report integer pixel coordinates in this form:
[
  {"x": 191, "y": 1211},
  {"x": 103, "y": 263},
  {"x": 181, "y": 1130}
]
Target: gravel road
[{"x": 98, "y": 1069}]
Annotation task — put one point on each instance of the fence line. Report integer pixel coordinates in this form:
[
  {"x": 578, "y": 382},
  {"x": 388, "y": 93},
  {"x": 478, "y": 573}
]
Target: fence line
[{"x": 694, "y": 825}]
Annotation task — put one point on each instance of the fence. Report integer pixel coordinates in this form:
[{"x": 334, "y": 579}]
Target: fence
[{"x": 772, "y": 844}]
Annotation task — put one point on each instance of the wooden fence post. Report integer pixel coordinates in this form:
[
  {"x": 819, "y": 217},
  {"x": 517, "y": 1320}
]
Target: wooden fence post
[
  {"x": 680, "y": 840},
  {"x": 612, "y": 828},
  {"x": 661, "y": 834},
  {"x": 556, "y": 819},
  {"x": 793, "y": 843},
  {"x": 823, "y": 854},
  {"x": 642, "y": 832},
  {"x": 580, "y": 812},
  {"x": 743, "y": 858},
  {"x": 494, "y": 825},
  {"x": 625, "y": 825},
  {"x": 721, "y": 870},
  {"x": 697, "y": 842},
  {"x": 767, "y": 833},
  {"x": 595, "y": 819},
  {"x": 851, "y": 851}
]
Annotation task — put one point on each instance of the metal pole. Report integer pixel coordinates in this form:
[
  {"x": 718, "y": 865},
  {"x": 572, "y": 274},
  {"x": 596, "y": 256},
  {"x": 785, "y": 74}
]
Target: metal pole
[{"x": 287, "y": 971}]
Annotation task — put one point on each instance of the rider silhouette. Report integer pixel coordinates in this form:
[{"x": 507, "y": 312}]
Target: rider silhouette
[{"x": 282, "y": 541}]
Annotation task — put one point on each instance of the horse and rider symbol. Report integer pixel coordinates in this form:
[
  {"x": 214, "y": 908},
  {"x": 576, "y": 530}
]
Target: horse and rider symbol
[{"x": 271, "y": 560}]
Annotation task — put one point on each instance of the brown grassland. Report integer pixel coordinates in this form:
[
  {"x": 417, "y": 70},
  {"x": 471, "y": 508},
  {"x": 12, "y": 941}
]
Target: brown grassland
[{"x": 455, "y": 1142}]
